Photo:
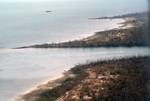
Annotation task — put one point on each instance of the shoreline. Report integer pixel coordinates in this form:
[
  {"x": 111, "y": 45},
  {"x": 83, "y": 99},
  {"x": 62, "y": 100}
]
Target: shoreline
[
  {"x": 46, "y": 85},
  {"x": 29, "y": 90},
  {"x": 118, "y": 23},
  {"x": 59, "y": 79},
  {"x": 131, "y": 32},
  {"x": 84, "y": 69},
  {"x": 57, "y": 82}
]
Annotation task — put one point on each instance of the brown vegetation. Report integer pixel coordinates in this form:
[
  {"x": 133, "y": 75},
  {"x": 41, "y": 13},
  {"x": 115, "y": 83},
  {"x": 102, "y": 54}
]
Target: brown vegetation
[
  {"x": 115, "y": 80},
  {"x": 135, "y": 35},
  {"x": 112, "y": 80}
]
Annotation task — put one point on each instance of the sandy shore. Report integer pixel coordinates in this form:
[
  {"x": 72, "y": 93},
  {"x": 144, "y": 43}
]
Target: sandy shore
[
  {"x": 124, "y": 25},
  {"x": 32, "y": 94},
  {"x": 106, "y": 80}
]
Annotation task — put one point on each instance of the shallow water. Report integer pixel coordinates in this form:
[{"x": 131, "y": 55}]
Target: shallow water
[{"x": 22, "y": 69}]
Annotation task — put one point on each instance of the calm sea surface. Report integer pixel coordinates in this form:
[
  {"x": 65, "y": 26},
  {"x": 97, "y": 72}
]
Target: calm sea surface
[{"x": 25, "y": 22}]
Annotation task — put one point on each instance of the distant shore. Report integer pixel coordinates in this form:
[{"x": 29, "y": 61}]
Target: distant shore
[
  {"x": 101, "y": 74},
  {"x": 132, "y": 32}
]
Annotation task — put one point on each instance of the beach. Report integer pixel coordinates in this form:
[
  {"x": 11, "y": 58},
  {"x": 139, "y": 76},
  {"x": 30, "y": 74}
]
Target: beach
[
  {"x": 90, "y": 76},
  {"x": 132, "y": 32}
]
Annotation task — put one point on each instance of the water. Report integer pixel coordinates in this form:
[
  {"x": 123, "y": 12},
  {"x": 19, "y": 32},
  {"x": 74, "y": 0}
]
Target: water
[
  {"x": 26, "y": 22},
  {"x": 23, "y": 69}
]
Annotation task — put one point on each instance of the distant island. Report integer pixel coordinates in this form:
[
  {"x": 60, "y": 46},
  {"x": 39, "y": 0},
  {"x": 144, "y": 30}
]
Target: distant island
[{"x": 133, "y": 32}]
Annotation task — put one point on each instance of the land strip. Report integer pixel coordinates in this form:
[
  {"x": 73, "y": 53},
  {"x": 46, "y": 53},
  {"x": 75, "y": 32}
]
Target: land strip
[
  {"x": 133, "y": 32},
  {"x": 124, "y": 79}
]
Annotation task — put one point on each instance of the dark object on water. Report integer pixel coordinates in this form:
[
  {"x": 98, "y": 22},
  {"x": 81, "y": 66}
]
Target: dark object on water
[{"x": 48, "y": 11}]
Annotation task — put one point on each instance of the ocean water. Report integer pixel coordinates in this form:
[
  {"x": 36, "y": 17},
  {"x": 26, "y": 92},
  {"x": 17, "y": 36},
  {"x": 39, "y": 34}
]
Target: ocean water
[{"x": 25, "y": 22}]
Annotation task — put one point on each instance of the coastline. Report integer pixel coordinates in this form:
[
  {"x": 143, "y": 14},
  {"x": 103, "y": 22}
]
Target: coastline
[
  {"x": 51, "y": 83},
  {"x": 83, "y": 74},
  {"x": 37, "y": 87},
  {"x": 46, "y": 85},
  {"x": 132, "y": 32},
  {"x": 28, "y": 90},
  {"x": 57, "y": 82},
  {"x": 117, "y": 24}
]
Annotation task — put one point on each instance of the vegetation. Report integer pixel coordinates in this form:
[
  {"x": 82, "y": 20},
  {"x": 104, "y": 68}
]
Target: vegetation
[
  {"x": 137, "y": 35},
  {"x": 122, "y": 37},
  {"x": 124, "y": 79},
  {"x": 137, "y": 15},
  {"x": 111, "y": 80}
]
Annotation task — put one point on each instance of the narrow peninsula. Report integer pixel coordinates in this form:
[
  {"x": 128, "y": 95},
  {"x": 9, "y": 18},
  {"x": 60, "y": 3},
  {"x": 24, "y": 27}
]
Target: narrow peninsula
[{"x": 133, "y": 32}]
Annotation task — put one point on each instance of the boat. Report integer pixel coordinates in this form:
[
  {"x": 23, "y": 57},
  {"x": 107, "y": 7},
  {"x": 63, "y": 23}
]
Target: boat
[{"x": 48, "y": 11}]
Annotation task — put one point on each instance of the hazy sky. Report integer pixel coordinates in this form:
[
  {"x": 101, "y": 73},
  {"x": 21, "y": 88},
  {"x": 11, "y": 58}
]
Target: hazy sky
[{"x": 129, "y": 2}]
